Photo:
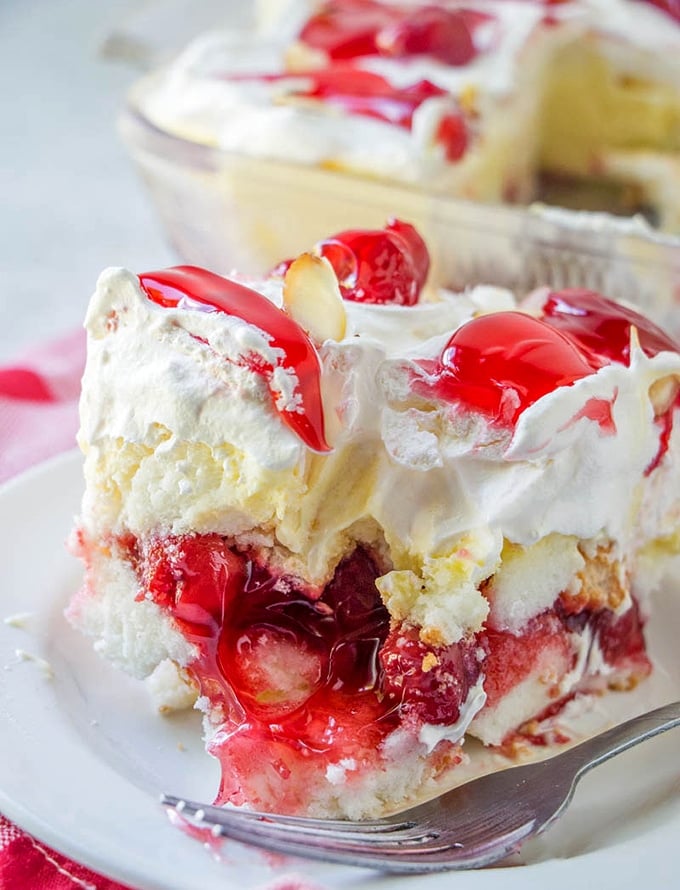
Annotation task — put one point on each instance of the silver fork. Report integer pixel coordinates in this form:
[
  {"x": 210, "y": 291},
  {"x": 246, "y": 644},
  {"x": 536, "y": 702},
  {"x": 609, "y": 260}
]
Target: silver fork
[{"x": 474, "y": 825}]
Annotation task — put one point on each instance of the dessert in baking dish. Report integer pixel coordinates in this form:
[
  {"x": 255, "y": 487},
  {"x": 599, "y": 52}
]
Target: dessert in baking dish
[
  {"x": 490, "y": 100},
  {"x": 359, "y": 521}
]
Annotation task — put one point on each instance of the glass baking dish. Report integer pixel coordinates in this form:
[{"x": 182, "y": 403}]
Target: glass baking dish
[{"x": 226, "y": 211}]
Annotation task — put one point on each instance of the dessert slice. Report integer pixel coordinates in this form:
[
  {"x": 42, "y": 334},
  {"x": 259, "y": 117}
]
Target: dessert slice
[
  {"x": 485, "y": 100},
  {"x": 358, "y": 520}
]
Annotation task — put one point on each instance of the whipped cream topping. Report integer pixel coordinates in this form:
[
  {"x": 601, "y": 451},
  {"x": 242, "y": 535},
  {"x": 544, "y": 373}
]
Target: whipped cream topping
[
  {"x": 195, "y": 443},
  {"x": 190, "y": 376},
  {"x": 215, "y": 92}
]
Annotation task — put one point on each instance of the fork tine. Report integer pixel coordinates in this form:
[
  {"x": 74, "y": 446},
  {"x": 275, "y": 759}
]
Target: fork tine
[
  {"x": 388, "y": 855},
  {"x": 394, "y": 850},
  {"x": 217, "y": 815},
  {"x": 476, "y": 824}
]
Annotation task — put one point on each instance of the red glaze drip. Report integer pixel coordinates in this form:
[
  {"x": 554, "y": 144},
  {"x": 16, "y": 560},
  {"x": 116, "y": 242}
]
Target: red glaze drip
[
  {"x": 502, "y": 363},
  {"x": 387, "y": 265},
  {"x": 347, "y": 29},
  {"x": 600, "y": 411},
  {"x": 665, "y": 426},
  {"x": 452, "y": 134},
  {"x": 188, "y": 287},
  {"x": 365, "y": 93}
]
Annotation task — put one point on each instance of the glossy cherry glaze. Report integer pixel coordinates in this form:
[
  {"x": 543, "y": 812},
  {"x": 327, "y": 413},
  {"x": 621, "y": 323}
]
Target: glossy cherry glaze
[
  {"x": 605, "y": 328},
  {"x": 308, "y": 668},
  {"x": 428, "y": 685},
  {"x": 303, "y": 671},
  {"x": 602, "y": 327},
  {"x": 347, "y": 29},
  {"x": 366, "y": 93},
  {"x": 268, "y": 647},
  {"x": 188, "y": 287},
  {"x": 387, "y": 265},
  {"x": 501, "y": 364}
]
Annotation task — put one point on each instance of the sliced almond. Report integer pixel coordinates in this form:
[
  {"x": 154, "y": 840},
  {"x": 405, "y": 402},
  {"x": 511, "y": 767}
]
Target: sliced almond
[
  {"x": 663, "y": 392},
  {"x": 468, "y": 99},
  {"x": 311, "y": 296},
  {"x": 301, "y": 58}
]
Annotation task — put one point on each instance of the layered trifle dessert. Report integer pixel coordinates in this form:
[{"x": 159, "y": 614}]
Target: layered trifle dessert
[
  {"x": 488, "y": 100},
  {"x": 358, "y": 521}
]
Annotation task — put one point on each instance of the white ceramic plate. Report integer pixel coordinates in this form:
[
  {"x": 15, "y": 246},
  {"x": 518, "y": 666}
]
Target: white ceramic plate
[{"x": 83, "y": 757}]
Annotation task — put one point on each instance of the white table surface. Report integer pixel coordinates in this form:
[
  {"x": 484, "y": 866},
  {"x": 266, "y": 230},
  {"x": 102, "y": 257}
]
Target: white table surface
[{"x": 70, "y": 202}]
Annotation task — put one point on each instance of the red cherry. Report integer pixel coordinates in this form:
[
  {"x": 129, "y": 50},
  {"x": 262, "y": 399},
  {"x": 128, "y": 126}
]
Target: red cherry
[
  {"x": 195, "y": 578},
  {"x": 602, "y": 326},
  {"x": 502, "y": 363},
  {"x": 346, "y": 29},
  {"x": 274, "y": 671},
  {"x": 379, "y": 266},
  {"x": 354, "y": 28},
  {"x": 428, "y": 684},
  {"x": 415, "y": 245},
  {"x": 444, "y": 34}
]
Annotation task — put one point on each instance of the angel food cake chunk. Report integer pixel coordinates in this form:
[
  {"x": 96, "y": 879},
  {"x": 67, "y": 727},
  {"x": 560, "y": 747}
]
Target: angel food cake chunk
[
  {"x": 490, "y": 100},
  {"x": 358, "y": 520}
]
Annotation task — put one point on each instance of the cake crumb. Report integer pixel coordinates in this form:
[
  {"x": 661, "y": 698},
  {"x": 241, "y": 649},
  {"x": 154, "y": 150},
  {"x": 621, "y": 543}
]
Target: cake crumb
[
  {"x": 169, "y": 688},
  {"x": 19, "y": 620},
  {"x": 430, "y": 661},
  {"x": 44, "y": 666}
]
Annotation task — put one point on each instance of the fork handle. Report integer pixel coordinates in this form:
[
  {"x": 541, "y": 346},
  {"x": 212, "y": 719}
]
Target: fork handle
[{"x": 619, "y": 738}]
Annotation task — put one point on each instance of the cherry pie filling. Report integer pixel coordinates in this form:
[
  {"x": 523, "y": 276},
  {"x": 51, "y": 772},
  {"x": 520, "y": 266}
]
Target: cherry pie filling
[{"x": 300, "y": 679}]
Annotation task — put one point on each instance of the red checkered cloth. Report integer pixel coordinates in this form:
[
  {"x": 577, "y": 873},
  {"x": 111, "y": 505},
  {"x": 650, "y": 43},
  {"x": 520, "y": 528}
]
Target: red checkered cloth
[
  {"x": 26, "y": 864},
  {"x": 39, "y": 418},
  {"x": 39, "y": 403}
]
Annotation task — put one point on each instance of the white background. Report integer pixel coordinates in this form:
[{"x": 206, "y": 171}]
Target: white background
[{"x": 70, "y": 202}]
